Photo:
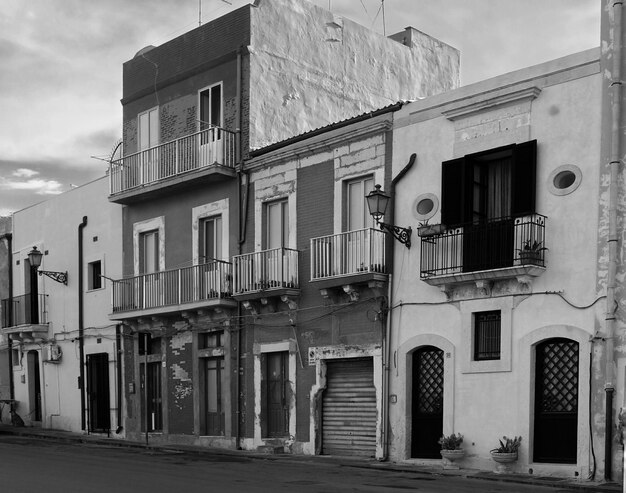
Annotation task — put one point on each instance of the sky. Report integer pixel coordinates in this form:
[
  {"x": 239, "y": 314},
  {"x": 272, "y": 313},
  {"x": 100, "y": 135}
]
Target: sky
[{"x": 61, "y": 78}]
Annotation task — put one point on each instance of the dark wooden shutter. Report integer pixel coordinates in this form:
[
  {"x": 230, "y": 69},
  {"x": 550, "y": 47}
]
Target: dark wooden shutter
[
  {"x": 455, "y": 192},
  {"x": 524, "y": 178}
]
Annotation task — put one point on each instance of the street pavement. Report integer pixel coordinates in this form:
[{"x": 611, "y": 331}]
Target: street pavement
[{"x": 43, "y": 460}]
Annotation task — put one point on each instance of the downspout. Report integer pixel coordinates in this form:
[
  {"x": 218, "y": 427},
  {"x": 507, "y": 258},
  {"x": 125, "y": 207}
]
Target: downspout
[
  {"x": 118, "y": 365},
  {"x": 241, "y": 239},
  {"x": 611, "y": 304},
  {"x": 387, "y": 340},
  {"x": 9, "y": 237},
  {"x": 81, "y": 324}
]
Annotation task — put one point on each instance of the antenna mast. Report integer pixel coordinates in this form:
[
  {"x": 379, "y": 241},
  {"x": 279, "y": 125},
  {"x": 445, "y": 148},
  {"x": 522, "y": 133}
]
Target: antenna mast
[{"x": 199, "y": 13}]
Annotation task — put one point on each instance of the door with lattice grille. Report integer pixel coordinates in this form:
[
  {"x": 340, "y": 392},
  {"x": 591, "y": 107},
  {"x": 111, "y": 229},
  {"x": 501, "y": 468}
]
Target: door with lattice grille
[
  {"x": 556, "y": 401},
  {"x": 427, "y": 402}
]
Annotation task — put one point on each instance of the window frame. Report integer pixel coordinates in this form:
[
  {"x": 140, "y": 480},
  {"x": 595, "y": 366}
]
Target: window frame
[
  {"x": 480, "y": 329},
  {"x": 157, "y": 127},
  {"x": 204, "y": 124},
  {"x": 95, "y": 282}
]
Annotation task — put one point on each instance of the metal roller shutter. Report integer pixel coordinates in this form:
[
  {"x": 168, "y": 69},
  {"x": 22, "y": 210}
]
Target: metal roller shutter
[{"x": 349, "y": 408}]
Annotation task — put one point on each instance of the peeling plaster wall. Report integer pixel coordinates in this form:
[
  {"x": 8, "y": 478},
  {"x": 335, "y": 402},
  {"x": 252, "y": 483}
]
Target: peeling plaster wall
[
  {"x": 307, "y": 73},
  {"x": 556, "y": 103}
]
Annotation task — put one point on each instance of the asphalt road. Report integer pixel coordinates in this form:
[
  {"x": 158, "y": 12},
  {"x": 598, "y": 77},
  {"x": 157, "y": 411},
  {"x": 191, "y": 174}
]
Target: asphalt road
[{"x": 31, "y": 465}]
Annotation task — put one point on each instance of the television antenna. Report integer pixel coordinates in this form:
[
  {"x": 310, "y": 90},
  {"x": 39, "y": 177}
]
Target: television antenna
[{"x": 200, "y": 10}]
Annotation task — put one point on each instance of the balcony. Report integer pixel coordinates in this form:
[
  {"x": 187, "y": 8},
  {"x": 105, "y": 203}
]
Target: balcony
[
  {"x": 266, "y": 274},
  {"x": 349, "y": 259},
  {"x": 24, "y": 322},
  {"x": 205, "y": 286},
  {"x": 497, "y": 249},
  {"x": 205, "y": 155}
]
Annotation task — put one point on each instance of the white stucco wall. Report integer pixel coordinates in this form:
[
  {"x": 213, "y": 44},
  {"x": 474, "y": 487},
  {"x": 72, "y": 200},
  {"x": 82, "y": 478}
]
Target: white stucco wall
[
  {"x": 309, "y": 67},
  {"x": 563, "y": 114},
  {"x": 52, "y": 226}
]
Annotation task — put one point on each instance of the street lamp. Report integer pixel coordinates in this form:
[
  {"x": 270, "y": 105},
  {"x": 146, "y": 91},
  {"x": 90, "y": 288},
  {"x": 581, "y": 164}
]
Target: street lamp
[
  {"x": 34, "y": 257},
  {"x": 377, "y": 202}
]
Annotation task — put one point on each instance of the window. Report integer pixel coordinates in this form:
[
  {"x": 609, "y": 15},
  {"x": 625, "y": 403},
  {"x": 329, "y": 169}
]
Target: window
[
  {"x": 94, "y": 271},
  {"x": 277, "y": 224},
  {"x": 487, "y": 329},
  {"x": 149, "y": 252},
  {"x": 212, "y": 339},
  {"x": 211, "y": 107},
  {"x": 149, "y": 129},
  {"x": 149, "y": 344},
  {"x": 357, "y": 213},
  {"x": 210, "y": 239}
]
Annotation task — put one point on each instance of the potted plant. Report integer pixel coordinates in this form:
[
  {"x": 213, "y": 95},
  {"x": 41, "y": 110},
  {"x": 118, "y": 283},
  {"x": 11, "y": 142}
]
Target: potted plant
[
  {"x": 451, "y": 450},
  {"x": 425, "y": 229},
  {"x": 506, "y": 453},
  {"x": 530, "y": 253}
]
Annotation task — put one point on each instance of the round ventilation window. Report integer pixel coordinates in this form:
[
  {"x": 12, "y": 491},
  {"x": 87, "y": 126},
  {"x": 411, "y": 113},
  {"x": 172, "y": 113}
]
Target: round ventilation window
[
  {"x": 425, "y": 206},
  {"x": 564, "y": 179}
]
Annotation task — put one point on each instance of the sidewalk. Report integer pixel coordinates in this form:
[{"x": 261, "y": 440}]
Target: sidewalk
[{"x": 581, "y": 486}]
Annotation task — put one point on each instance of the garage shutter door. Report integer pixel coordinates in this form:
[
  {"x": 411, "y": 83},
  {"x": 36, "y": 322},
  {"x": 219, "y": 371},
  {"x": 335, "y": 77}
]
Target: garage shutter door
[{"x": 349, "y": 408}]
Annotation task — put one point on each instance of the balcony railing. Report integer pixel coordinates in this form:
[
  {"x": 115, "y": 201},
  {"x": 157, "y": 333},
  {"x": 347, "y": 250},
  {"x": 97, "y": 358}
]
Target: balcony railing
[
  {"x": 347, "y": 254},
  {"x": 495, "y": 244},
  {"x": 201, "y": 149},
  {"x": 173, "y": 287},
  {"x": 265, "y": 270},
  {"x": 19, "y": 311}
]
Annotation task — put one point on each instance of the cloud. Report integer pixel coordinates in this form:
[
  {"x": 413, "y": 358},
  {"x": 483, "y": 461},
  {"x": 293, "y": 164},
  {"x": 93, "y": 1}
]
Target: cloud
[
  {"x": 38, "y": 186},
  {"x": 25, "y": 173}
]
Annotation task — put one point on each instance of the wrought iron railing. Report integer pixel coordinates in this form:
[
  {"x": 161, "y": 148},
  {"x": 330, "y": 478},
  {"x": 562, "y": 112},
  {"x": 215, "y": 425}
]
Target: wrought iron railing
[
  {"x": 494, "y": 244},
  {"x": 208, "y": 281},
  {"x": 19, "y": 310},
  {"x": 349, "y": 253},
  {"x": 269, "y": 269},
  {"x": 201, "y": 149}
]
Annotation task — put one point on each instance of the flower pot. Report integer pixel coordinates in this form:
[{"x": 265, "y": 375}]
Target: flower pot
[
  {"x": 449, "y": 456},
  {"x": 503, "y": 460},
  {"x": 430, "y": 230},
  {"x": 530, "y": 257}
]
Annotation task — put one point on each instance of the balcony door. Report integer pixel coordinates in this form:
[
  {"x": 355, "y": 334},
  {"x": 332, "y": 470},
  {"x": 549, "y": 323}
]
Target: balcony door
[
  {"x": 148, "y": 139},
  {"x": 210, "y": 248},
  {"x": 211, "y": 123},
  {"x": 276, "y": 238},
  {"x": 355, "y": 255},
  {"x": 483, "y": 193},
  {"x": 150, "y": 289}
]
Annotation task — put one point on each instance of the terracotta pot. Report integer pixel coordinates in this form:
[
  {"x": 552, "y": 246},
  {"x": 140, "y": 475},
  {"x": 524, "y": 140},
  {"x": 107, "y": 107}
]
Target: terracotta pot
[
  {"x": 449, "y": 456},
  {"x": 503, "y": 459}
]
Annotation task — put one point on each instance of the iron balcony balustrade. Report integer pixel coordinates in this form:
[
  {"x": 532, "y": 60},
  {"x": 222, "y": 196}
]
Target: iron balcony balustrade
[
  {"x": 168, "y": 291},
  {"x": 213, "y": 147},
  {"x": 261, "y": 272},
  {"x": 349, "y": 256},
  {"x": 489, "y": 250},
  {"x": 18, "y": 311}
]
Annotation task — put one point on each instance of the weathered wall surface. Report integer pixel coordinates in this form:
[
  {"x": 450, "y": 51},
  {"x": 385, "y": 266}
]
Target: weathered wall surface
[
  {"x": 309, "y": 67},
  {"x": 5, "y": 242},
  {"x": 556, "y": 103}
]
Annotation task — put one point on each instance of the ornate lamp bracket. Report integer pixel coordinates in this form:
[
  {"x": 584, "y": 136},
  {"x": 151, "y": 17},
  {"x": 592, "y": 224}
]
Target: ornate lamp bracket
[
  {"x": 55, "y": 276},
  {"x": 403, "y": 235}
]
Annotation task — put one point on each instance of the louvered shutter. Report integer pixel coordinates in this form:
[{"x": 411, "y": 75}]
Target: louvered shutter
[
  {"x": 524, "y": 178},
  {"x": 455, "y": 192}
]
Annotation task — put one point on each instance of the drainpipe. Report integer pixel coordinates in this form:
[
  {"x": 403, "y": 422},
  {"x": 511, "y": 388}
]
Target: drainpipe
[
  {"x": 387, "y": 340},
  {"x": 81, "y": 324},
  {"x": 118, "y": 376},
  {"x": 616, "y": 92},
  {"x": 9, "y": 237}
]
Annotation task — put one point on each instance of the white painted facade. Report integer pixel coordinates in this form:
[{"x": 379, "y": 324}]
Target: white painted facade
[
  {"x": 53, "y": 227},
  {"x": 558, "y": 104}
]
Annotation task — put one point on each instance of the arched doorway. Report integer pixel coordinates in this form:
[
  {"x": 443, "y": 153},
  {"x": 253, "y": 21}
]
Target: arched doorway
[
  {"x": 34, "y": 385},
  {"x": 427, "y": 402},
  {"x": 556, "y": 401}
]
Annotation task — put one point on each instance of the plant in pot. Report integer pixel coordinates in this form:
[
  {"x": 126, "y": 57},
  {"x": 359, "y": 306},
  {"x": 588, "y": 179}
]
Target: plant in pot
[
  {"x": 451, "y": 450},
  {"x": 530, "y": 253},
  {"x": 506, "y": 453},
  {"x": 425, "y": 229}
]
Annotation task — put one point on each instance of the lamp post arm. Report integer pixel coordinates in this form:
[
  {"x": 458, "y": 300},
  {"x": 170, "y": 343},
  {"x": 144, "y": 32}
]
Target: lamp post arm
[
  {"x": 403, "y": 235},
  {"x": 55, "y": 276}
]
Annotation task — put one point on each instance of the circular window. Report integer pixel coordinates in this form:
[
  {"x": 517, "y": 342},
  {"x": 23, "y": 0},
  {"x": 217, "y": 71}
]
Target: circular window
[
  {"x": 564, "y": 179},
  {"x": 425, "y": 206}
]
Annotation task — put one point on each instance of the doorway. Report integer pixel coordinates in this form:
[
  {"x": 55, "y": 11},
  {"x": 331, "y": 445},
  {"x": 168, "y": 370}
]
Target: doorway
[
  {"x": 276, "y": 372},
  {"x": 98, "y": 392},
  {"x": 427, "y": 402},
  {"x": 556, "y": 401},
  {"x": 34, "y": 385}
]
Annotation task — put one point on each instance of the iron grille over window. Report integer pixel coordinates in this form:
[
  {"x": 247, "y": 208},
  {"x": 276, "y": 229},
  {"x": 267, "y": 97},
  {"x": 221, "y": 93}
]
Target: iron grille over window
[{"x": 487, "y": 335}]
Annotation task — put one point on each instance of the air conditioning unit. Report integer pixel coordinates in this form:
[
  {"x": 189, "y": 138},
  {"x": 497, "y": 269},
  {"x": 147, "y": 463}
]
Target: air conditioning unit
[{"x": 53, "y": 353}]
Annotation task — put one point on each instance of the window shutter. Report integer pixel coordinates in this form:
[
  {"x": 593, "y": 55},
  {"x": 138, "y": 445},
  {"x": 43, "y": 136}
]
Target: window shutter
[
  {"x": 524, "y": 178},
  {"x": 454, "y": 192}
]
